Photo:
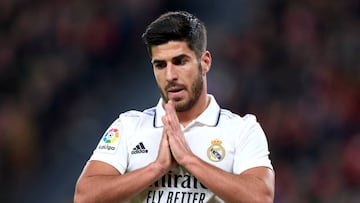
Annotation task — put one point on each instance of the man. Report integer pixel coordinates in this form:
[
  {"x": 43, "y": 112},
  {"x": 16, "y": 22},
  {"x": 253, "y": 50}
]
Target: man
[{"x": 186, "y": 149}]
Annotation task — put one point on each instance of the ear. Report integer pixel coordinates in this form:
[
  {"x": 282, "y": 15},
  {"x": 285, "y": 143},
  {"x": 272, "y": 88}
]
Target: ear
[{"x": 206, "y": 62}]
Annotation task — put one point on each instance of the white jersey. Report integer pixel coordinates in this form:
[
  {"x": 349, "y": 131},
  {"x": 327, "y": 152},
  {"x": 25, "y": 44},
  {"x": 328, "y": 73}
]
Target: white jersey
[{"x": 217, "y": 136}]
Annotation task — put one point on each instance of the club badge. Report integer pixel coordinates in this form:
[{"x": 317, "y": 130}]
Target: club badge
[{"x": 216, "y": 151}]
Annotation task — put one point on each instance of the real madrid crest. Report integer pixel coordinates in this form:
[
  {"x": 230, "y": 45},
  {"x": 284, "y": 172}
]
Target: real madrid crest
[{"x": 216, "y": 152}]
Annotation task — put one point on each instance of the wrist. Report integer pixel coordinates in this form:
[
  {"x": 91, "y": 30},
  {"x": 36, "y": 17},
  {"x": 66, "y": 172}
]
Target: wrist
[
  {"x": 158, "y": 169},
  {"x": 189, "y": 161}
]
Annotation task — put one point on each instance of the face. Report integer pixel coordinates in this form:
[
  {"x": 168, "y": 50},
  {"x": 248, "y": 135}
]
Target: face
[{"x": 179, "y": 73}]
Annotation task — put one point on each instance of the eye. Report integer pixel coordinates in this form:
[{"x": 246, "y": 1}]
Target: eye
[
  {"x": 159, "y": 65},
  {"x": 180, "y": 61}
]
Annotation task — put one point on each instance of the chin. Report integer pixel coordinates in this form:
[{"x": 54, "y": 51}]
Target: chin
[{"x": 183, "y": 105}]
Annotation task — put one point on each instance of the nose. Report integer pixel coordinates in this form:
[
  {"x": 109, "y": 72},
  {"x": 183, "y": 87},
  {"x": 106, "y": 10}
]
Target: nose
[{"x": 171, "y": 73}]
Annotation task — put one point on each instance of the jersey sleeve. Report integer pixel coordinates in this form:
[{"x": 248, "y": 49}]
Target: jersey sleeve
[
  {"x": 112, "y": 147},
  {"x": 251, "y": 147}
]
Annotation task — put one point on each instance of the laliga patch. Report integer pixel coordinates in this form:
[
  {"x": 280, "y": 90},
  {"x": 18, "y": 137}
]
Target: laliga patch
[
  {"x": 109, "y": 141},
  {"x": 216, "y": 151}
]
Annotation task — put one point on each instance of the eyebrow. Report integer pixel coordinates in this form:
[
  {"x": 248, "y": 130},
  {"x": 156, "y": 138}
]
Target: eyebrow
[
  {"x": 157, "y": 61},
  {"x": 181, "y": 56}
]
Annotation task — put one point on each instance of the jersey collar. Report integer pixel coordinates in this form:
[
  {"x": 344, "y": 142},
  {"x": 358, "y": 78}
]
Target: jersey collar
[{"x": 209, "y": 117}]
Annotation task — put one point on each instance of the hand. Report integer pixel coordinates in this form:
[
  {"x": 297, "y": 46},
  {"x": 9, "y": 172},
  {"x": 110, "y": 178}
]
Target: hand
[
  {"x": 165, "y": 159},
  {"x": 178, "y": 145}
]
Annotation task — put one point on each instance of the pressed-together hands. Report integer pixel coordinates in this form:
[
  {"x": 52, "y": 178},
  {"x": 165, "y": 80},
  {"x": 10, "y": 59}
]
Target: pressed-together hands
[
  {"x": 173, "y": 146},
  {"x": 253, "y": 185}
]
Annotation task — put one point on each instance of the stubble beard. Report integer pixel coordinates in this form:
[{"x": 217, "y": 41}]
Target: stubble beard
[{"x": 195, "y": 92}]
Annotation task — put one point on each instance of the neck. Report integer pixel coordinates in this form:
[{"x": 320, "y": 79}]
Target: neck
[{"x": 187, "y": 116}]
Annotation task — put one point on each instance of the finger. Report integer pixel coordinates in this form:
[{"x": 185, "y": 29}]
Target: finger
[
  {"x": 171, "y": 115},
  {"x": 170, "y": 108}
]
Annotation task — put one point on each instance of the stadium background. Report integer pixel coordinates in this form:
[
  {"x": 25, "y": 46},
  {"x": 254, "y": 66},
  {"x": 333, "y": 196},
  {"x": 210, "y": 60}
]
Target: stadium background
[{"x": 69, "y": 67}]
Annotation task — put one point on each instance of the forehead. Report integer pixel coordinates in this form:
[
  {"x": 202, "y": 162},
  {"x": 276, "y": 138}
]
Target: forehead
[{"x": 170, "y": 50}]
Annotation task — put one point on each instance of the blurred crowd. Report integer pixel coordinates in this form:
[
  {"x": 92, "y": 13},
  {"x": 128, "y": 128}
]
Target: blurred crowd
[{"x": 295, "y": 64}]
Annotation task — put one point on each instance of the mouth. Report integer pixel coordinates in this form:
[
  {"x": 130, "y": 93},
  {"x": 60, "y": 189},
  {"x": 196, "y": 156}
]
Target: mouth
[{"x": 175, "y": 91}]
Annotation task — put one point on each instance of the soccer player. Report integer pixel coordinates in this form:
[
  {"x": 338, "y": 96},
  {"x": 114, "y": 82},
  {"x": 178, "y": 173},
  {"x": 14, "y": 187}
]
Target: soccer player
[{"x": 186, "y": 148}]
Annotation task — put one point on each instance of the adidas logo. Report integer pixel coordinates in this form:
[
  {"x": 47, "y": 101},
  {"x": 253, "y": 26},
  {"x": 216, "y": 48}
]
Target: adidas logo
[{"x": 140, "y": 148}]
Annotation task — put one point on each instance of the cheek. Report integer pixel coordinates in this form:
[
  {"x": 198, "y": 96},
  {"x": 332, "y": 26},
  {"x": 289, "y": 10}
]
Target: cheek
[
  {"x": 159, "y": 79},
  {"x": 193, "y": 76},
  {"x": 156, "y": 74}
]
